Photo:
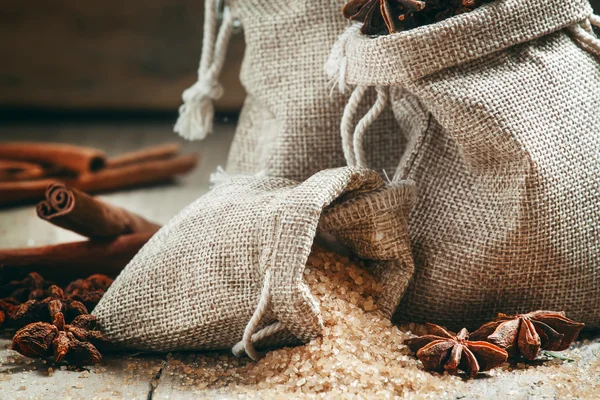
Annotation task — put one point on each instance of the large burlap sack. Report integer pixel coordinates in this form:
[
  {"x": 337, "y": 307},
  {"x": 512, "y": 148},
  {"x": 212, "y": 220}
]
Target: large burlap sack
[
  {"x": 501, "y": 110},
  {"x": 229, "y": 268},
  {"x": 289, "y": 125}
]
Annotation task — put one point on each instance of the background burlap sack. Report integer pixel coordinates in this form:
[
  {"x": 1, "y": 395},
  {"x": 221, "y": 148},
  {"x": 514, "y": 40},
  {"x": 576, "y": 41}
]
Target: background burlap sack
[
  {"x": 501, "y": 110},
  {"x": 289, "y": 125},
  {"x": 229, "y": 267}
]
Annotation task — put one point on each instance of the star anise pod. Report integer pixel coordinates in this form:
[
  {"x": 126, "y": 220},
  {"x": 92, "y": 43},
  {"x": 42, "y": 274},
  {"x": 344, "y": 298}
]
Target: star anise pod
[
  {"x": 382, "y": 17},
  {"x": 8, "y": 307},
  {"x": 90, "y": 299},
  {"x": 89, "y": 291},
  {"x": 31, "y": 287},
  {"x": 442, "y": 351},
  {"x": 93, "y": 283},
  {"x": 45, "y": 300},
  {"x": 526, "y": 334},
  {"x": 76, "y": 343},
  {"x": 45, "y": 310},
  {"x": 35, "y": 340},
  {"x": 48, "y": 335}
]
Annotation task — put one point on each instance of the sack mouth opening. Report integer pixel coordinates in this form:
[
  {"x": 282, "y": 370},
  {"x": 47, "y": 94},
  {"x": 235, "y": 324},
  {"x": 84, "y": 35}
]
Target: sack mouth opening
[
  {"x": 299, "y": 302},
  {"x": 423, "y": 29},
  {"x": 407, "y": 56}
]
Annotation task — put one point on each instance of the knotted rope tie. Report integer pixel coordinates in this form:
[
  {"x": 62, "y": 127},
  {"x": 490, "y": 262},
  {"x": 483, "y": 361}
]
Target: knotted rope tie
[
  {"x": 246, "y": 345},
  {"x": 584, "y": 34},
  {"x": 196, "y": 114}
]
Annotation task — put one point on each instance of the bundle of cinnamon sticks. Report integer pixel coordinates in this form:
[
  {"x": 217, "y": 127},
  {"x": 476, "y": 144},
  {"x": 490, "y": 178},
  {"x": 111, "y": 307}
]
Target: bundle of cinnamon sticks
[
  {"x": 27, "y": 168},
  {"x": 115, "y": 236}
]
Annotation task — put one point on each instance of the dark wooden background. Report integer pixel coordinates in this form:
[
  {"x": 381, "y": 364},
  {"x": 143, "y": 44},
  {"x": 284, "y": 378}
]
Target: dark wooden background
[
  {"x": 115, "y": 55},
  {"x": 108, "y": 55}
]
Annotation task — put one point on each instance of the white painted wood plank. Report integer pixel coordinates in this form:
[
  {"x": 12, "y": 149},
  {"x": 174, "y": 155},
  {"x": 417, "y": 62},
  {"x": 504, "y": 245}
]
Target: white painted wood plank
[{"x": 117, "y": 377}]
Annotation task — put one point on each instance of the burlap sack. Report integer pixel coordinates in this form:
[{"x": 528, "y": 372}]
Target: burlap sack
[
  {"x": 229, "y": 268},
  {"x": 501, "y": 110},
  {"x": 289, "y": 125}
]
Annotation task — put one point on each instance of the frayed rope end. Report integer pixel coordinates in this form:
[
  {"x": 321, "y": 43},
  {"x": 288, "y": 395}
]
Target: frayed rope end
[
  {"x": 196, "y": 114},
  {"x": 195, "y": 121},
  {"x": 336, "y": 64},
  {"x": 219, "y": 177}
]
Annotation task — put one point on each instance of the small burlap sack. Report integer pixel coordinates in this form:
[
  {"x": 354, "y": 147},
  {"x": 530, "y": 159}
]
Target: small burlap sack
[
  {"x": 501, "y": 110},
  {"x": 289, "y": 125},
  {"x": 229, "y": 268}
]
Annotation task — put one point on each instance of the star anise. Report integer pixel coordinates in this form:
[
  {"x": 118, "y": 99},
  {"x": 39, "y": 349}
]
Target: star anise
[
  {"x": 442, "y": 351},
  {"x": 47, "y": 334},
  {"x": 46, "y": 299},
  {"x": 31, "y": 287},
  {"x": 7, "y": 308},
  {"x": 89, "y": 299},
  {"x": 93, "y": 283},
  {"x": 76, "y": 343},
  {"x": 526, "y": 334},
  {"x": 382, "y": 17},
  {"x": 45, "y": 310}
]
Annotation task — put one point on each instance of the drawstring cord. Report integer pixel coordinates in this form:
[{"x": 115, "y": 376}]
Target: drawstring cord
[
  {"x": 366, "y": 122},
  {"x": 196, "y": 114},
  {"x": 584, "y": 34},
  {"x": 246, "y": 345},
  {"x": 346, "y": 124},
  {"x": 352, "y": 142},
  {"x": 352, "y": 139}
]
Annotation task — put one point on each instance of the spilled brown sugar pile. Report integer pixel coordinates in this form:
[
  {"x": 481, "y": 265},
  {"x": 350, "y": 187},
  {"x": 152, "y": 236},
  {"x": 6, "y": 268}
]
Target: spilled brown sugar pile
[{"x": 360, "y": 353}]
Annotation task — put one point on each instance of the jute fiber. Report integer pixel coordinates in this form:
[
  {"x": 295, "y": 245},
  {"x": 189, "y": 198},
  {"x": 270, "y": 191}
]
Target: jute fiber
[
  {"x": 501, "y": 112},
  {"x": 227, "y": 271},
  {"x": 289, "y": 125}
]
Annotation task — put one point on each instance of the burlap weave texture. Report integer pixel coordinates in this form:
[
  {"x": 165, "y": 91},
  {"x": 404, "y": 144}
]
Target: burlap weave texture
[
  {"x": 290, "y": 122},
  {"x": 501, "y": 110},
  {"x": 197, "y": 283}
]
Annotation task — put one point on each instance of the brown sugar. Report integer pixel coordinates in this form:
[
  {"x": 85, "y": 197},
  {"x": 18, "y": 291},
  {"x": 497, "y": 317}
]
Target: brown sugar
[{"x": 360, "y": 354}]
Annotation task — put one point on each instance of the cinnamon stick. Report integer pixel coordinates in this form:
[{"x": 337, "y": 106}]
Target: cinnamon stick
[
  {"x": 22, "y": 191},
  {"x": 135, "y": 175},
  {"x": 72, "y": 158},
  {"x": 102, "y": 181},
  {"x": 100, "y": 255},
  {"x": 159, "y": 152},
  {"x": 11, "y": 170},
  {"x": 78, "y": 212}
]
